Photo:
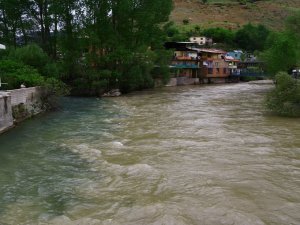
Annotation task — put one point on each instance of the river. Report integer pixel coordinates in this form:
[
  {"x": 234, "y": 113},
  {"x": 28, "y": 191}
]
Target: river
[{"x": 174, "y": 156}]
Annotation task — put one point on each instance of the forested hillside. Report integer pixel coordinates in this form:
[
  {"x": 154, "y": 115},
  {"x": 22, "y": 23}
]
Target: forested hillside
[{"x": 234, "y": 13}]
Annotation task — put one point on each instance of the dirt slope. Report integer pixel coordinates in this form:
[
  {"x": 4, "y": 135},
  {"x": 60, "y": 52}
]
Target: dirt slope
[{"x": 232, "y": 14}]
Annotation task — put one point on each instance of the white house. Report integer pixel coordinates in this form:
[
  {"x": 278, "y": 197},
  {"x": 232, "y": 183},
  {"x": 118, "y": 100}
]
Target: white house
[{"x": 201, "y": 40}]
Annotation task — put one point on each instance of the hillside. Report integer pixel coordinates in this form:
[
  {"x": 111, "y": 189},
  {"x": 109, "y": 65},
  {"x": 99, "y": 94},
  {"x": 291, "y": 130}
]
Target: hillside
[{"x": 232, "y": 14}]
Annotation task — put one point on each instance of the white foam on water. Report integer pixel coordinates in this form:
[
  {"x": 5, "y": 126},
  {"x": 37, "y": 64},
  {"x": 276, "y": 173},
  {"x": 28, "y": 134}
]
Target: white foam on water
[
  {"x": 84, "y": 151},
  {"x": 64, "y": 220},
  {"x": 117, "y": 144},
  {"x": 140, "y": 170}
]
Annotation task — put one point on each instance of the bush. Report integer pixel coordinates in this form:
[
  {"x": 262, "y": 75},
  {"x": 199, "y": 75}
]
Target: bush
[
  {"x": 220, "y": 35},
  {"x": 31, "y": 55},
  {"x": 185, "y": 21},
  {"x": 284, "y": 100},
  {"x": 251, "y": 37},
  {"x": 16, "y": 73}
]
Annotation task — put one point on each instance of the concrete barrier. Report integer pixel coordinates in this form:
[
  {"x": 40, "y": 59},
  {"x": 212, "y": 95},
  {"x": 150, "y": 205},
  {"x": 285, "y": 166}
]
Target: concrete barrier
[
  {"x": 19, "y": 104},
  {"x": 6, "y": 118}
]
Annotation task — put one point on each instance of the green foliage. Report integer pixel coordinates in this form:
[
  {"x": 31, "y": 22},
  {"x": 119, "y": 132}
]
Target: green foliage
[
  {"x": 88, "y": 38},
  {"x": 220, "y": 35},
  {"x": 16, "y": 73},
  {"x": 174, "y": 33},
  {"x": 251, "y": 37},
  {"x": 161, "y": 69},
  {"x": 137, "y": 73},
  {"x": 293, "y": 24},
  {"x": 34, "y": 56},
  {"x": 55, "y": 87},
  {"x": 185, "y": 21},
  {"x": 92, "y": 82},
  {"x": 31, "y": 55},
  {"x": 282, "y": 53},
  {"x": 284, "y": 100}
]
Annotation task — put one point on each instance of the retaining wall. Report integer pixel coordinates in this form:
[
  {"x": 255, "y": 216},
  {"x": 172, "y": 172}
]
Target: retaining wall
[
  {"x": 6, "y": 118},
  {"x": 19, "y": 104},
  {"x": 178, "y": 81}
]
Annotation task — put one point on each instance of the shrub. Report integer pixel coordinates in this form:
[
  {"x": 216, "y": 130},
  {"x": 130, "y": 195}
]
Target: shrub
[
  {"x": 284, "y": 100},
  {"x": 185, "y": 21},
  {"x": 31, "y": 55},
  {"x": 16, "y": 73}
]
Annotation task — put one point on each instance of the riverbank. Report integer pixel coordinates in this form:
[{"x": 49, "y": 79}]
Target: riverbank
[{"x": 18, "y": 105}]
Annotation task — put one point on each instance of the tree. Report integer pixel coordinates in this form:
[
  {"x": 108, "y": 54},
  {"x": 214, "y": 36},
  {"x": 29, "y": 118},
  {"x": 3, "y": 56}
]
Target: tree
[
  {"x": 284, "y": 99},
  {"x": 220, "y": 35},
  {"x": 283, "y": 48},
  {"x": 282, "y": 54},
  {"x": 252, "y": 37}
]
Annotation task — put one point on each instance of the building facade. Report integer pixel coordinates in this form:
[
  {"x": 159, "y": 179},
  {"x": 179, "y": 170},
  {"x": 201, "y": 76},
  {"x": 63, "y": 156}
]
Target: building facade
[{"x": 202, "y": 40}]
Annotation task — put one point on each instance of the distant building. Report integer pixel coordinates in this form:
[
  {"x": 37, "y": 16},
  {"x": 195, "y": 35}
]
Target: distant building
[
  {"x": 236, "y": 54},
  {"x": 202, "y": 40},
  {"x": 204, "y": 64},
  {"x": 185, "y": 62},
  {"x": 232, "y": 64},
  {"x": 212, "y": 65},
  {"x": 2, "y": 46}
]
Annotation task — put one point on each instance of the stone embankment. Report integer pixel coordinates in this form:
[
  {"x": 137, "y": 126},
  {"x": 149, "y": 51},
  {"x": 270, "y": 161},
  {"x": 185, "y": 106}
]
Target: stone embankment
[{"x": 18, "y": 105}]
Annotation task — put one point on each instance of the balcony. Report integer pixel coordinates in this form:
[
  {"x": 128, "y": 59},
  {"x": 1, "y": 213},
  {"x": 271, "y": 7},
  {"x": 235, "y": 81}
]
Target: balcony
[
  {"x": 184, "y": 58},
  {"x": 185, "y": 66}
]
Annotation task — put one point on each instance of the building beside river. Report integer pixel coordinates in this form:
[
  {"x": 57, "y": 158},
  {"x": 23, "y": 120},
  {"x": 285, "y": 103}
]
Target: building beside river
[{"x": 192, "y": 64}]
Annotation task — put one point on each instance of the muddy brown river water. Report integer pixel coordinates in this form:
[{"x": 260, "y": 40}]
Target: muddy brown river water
[{"x": 174, "y": 156}]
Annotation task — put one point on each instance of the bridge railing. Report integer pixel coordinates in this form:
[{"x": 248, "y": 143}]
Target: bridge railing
[{"x": 250, "y": 73}]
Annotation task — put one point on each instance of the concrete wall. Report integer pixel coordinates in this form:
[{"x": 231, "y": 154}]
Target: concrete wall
[
  {"x": 178, "y": 81},
  {"x": 6, "y": 118},
  {"x": 172, "y": 82},
  {"x": 19, "y": 104},
  {"x": 187, "y": 81}
]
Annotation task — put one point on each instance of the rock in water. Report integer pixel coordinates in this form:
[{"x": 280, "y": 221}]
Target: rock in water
[{"x": 112, "y": 93}]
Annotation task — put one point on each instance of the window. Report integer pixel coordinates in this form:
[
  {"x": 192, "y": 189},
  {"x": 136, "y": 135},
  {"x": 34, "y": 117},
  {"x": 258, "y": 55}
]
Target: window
[
  {"x": 218, "y": 70},
  {"x": 216, "y": 64},
  {"x": 210, "y": 70},
  {"x": 224, "y": 70}
]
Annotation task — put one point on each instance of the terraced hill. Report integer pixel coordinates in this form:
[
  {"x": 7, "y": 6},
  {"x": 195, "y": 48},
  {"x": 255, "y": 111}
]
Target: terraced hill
[{"x": 234, "y": 13}]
